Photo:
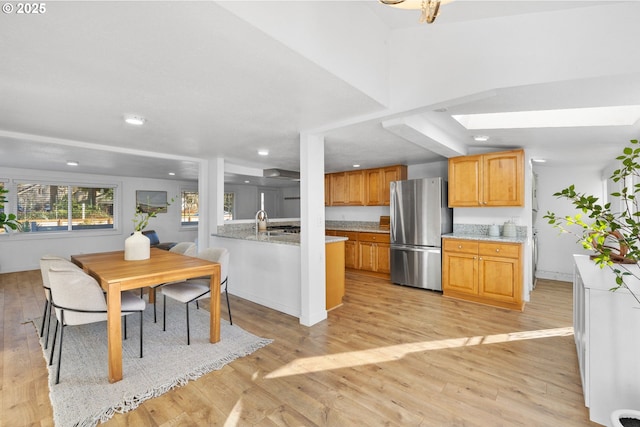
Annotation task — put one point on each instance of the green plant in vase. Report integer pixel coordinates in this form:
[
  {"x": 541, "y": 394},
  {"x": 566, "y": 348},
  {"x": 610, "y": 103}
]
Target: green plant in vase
[{"x": 613, "y": 236}]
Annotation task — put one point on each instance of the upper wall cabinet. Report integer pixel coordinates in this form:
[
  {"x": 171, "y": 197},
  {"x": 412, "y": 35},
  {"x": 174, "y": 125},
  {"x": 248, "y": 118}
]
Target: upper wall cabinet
[
  {"x": 347, "y": 188},
  {"x": 487, "y": 180},
  {"x": 368, "y": 187}
]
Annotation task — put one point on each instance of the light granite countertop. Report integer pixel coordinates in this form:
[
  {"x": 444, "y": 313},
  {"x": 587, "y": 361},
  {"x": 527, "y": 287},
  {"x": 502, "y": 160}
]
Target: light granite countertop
[
  {"x": 271, "y": 237},
  {"x": 485, "y": 237}
]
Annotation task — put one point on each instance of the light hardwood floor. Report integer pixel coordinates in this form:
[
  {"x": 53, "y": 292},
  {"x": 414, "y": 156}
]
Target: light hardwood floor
[{"x": 390, "y": 355}]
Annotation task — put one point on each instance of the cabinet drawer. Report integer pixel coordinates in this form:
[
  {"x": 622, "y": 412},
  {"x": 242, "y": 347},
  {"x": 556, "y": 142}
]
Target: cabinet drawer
[
  {"x": 460, "y": 246},
  {"x": 499, "y": 249},
  {"x": 374, "y": 237},
  {"x": 351, "y": 235}
]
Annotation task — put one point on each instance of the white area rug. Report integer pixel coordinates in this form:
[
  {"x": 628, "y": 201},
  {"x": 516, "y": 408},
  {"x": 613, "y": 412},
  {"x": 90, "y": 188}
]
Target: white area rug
[{"x": 84, "y": 395}]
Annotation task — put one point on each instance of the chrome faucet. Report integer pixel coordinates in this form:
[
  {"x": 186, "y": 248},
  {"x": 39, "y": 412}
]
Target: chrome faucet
[{"x": 261, "y": 215}]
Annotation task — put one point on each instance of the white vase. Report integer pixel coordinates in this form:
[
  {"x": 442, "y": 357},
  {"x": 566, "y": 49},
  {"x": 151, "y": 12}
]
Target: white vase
[{"x": 137, "y": 247}]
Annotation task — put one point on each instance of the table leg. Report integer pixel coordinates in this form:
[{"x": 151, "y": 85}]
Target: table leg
[
  {"x": 114, "y": 332},
  {"x": 214, "y": 309}
]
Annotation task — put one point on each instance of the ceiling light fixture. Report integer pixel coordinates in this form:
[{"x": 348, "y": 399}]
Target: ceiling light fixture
[
  {"x": 263, "y": 152},
  {"x": 538, "y": 160},
  {"x": 72, "y": 163},
  {"x": 172, "y": 173},
  {"x": 481, "y": 138},
  {"x": 429, "y": 8},
  {"x": 356, "y": 165},
  {"x": 135, "y": 120}
]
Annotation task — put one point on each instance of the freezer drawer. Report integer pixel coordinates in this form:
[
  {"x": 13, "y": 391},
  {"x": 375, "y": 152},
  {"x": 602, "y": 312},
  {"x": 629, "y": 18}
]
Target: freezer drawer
[{"x": 420, "y": 267}]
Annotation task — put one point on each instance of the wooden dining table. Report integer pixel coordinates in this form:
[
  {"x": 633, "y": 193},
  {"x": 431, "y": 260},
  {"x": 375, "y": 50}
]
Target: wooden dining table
[{"x": 115, "y": 275}]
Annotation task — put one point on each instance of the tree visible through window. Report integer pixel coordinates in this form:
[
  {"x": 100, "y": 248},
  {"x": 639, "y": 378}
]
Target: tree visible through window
[
  {"x": 50, "y": 207},
  {"x": 190, "y": 202},
  {"x": 229, "y": 206}
]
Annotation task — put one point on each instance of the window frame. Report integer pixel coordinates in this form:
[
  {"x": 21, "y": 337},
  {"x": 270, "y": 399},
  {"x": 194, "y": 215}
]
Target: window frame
[{"x": 12, "y": 185}]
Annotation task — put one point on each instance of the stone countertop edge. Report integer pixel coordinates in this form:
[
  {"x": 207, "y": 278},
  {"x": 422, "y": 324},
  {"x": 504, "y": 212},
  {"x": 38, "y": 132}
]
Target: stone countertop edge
[
  {"x": 484, "y": 237},
  {"x": 251, "y": 237},
  {"x": 359, "y": 229}
]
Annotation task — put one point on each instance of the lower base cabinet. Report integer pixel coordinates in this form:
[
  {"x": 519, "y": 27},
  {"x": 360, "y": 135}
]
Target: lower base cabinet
[
  {"x": 486, "y": 272},
  {"x": 370, "y": 252},
  {"x": 334, "y": 265}
]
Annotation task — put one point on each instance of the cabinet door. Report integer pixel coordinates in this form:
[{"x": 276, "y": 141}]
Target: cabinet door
[
  {"x": 355, "y": 188},
  {"x": 503, "y": 174},
  {"x": 460, "y": 273},
  {"x": 351, "y": 254},
  {"x": 465, "y": 181},
  {"x": 393, "y": 173},
  {"x": 498, "y": 278},
  {"x": 339, "y": 188},
  {"x": 373, "y": 183},
  {"x": 383, "y": 258},
  {"x": 327, "y": 190},
  {"x": 367, "y": 256}
]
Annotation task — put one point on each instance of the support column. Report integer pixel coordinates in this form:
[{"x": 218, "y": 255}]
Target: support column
[
  {"x": 312, "y": 242},
  {"x": 211, "y": 198}
]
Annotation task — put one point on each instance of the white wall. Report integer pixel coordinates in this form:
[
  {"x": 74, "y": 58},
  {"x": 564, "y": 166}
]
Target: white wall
[
  {"x": 555, "y": 250},
  {"x": 247, "y": 201},
  {"x": 22, "y": 251}
]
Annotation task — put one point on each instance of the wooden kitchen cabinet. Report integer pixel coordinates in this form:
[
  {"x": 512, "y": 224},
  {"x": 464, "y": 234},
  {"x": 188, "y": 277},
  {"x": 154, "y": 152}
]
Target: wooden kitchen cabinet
[
  {"x": 486, "y": 272},
  {"x": 378, "y": 184},
  {"x": 347, "y": 188},
  {"x": 487, "y": 180},
  {"x": 350, "y": 246},
  {"x": 374, "y": 252},
  {"x": 367, "y": 187}
]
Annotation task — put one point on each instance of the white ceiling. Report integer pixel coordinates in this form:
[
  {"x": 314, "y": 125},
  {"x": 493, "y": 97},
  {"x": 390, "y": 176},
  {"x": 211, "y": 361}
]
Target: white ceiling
[{"x": 213, "y": 85}]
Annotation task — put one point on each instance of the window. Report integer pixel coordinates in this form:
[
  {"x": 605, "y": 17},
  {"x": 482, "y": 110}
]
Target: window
[
  {"x": 229, "y": 206},
  {"x": 190, "y": 214},
  {"x": 51, "y": 207}
]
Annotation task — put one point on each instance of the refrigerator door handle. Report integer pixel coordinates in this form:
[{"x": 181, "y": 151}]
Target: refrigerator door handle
[{"x": 416, "y": 248}]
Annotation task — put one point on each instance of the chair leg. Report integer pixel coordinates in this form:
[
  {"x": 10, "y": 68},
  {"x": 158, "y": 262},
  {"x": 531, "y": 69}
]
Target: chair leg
[
  {"x": 141, "y": 340},
  {"x": 46, "y": 339},
  {"x": 228, "y": 306},
  {"x": 125, "y": 327},
  {"x": 53, "y": 345},
  {"x": 44, "y": 317},
  {"x": 59, "y": 354},
  {"x": 164, "y": 312},
  {"x": 188, "y": 334},
  {"x": 155, "y": 320}
]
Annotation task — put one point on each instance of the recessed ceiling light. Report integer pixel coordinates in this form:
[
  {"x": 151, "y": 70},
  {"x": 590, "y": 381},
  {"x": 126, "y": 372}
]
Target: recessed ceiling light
[
  {"x": 356, "y": 166},
  {"x": 263, "y": 152},
  {"x": 481, "y": 138},
  {"x": 172, "y": 173},
  {"x": 72, "y": 163},
  {"x": 538, "y": 160},
  {"x": 625, "y": 115},
  {"x": 135, "y": 120},
  {"x": 247, "y": 182}
]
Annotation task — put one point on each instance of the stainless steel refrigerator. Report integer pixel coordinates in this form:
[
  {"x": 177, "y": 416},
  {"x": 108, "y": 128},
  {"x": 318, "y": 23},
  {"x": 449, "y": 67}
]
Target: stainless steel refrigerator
[{"x": 419, "y": 218}]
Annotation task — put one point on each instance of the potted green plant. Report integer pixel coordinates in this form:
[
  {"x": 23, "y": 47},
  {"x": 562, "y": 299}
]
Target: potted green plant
[
  {"x": 613, "y": 236},
  {"x": 137, "y": 246},
  {"x": 7, "y": 220}
]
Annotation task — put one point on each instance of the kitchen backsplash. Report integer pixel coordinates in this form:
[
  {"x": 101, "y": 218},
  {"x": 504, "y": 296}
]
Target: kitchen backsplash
[{"x": 483, "y": 229}]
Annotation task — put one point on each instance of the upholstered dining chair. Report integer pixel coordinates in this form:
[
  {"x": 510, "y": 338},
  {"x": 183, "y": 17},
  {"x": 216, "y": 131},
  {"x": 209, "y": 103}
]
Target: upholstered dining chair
[
  {"x": 194, "y": 289},
  {"x": 45, "y": 263},
  {"x": 77, "y": 299},
  {"x": 183, "y": 248}
]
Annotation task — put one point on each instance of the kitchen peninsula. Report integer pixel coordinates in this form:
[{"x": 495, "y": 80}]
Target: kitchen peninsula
[{"x": 265, "y": 266}]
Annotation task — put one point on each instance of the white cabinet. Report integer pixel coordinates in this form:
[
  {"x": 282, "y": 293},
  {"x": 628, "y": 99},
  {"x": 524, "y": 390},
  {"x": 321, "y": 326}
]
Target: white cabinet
[{"x": 607, "y": 334}]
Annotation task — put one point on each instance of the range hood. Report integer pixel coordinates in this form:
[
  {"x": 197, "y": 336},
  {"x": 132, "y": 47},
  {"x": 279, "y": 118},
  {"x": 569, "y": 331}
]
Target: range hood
[{"x": 281, "y": 173}]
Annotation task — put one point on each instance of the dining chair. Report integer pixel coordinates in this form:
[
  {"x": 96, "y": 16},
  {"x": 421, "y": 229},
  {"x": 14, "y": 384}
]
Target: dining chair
[
  {"x": 77, "y": 299},
  {"x": 46, "y": 261},
  {"x": 183, "y": 248},
  {"x": 194, "y": 289}
]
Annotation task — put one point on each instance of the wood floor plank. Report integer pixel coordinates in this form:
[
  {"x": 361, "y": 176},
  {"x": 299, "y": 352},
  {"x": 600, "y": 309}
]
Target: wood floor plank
[{"x": 390, "y": 355}]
